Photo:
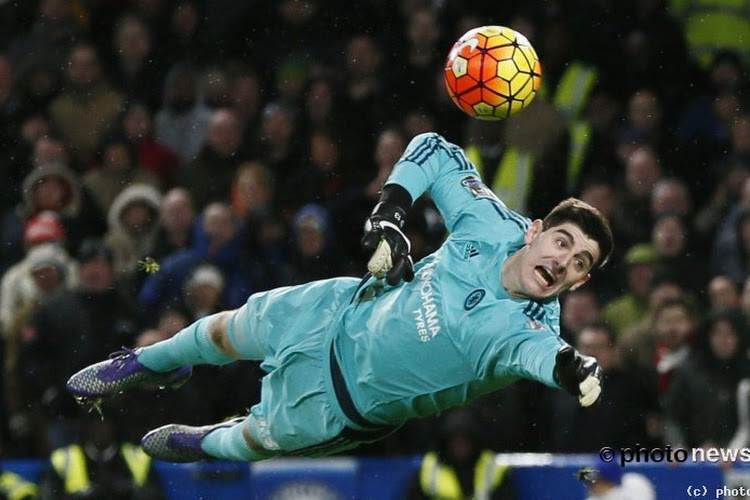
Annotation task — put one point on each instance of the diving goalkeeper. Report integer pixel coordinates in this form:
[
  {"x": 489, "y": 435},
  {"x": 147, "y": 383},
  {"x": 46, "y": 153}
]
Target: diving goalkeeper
[{"x": 348, "y": 361}]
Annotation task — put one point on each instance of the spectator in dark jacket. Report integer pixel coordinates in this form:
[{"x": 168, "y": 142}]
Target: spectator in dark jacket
[{"x": 71, "y": 330}]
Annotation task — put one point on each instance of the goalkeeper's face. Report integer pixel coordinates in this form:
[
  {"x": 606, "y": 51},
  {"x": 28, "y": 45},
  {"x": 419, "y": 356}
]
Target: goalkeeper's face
[{"x": 555, "y": 260}]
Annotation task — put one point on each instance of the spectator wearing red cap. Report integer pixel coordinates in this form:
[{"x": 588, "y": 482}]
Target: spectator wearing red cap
[
  {"x": 43, "y": 236},
  {"x": 44, "y": 227}
]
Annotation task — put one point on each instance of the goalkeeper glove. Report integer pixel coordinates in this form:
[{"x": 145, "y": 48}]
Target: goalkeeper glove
[
  {"x": 384, "y": 235},
  {"x": 579, "y": 375}
]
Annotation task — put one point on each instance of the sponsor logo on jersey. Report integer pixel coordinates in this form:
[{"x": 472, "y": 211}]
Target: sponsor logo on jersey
[
  {"x": 477, "y": 188},
  {"x": 473, "y": 299},
  {"x": 426, "y": 316},
  {"x": 470, "y": 250},
  {"x": 535, "y": 325}
]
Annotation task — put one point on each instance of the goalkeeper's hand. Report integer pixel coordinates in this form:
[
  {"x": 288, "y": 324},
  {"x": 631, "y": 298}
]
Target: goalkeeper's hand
[
  {"x": 384, "y": 235},
  {"x": 579, "y": 375}
]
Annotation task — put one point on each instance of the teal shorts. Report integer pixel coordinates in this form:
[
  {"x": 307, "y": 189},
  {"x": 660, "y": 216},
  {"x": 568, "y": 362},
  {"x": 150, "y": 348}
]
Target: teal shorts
[{"x": 291, "y": 330}]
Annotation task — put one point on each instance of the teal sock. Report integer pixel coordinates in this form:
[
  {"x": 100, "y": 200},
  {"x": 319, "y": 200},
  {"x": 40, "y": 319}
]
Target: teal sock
[
  {"x": 191, "y": 346},
  {"x": 228, "y": 443}
]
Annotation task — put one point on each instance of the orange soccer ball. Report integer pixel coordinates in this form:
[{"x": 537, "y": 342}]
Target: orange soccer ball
[{"x": 492, "y": 72}]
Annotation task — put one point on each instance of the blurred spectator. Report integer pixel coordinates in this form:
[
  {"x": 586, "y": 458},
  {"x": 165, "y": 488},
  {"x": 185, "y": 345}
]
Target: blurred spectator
[
  {"x": 280, "y": 149},
  {"x": 254, "y": 202},
  {"x": 460, "y": 466},
  {"x": 365, "y": 96},
  {"x": 290, "y": 79},
  {"x": 703, "y": 130},
  {"x": 742, "y": 230},
  {"x": 719, "y": 220},
  {"x": 117, "y": 170},
  {"x": 712, "y": 27},
  {"x": 209, "y": 176},
  {"x": 181, "y": 123},
  {"x": 43, "y": 274},
  {"x": 203, "y": 290},
  {"x": 30, "y": 279},
  {"x": 700, "y": 403},
  {"x": 671, "y": 195},
  {"x": 133, "y": 224},
  {"x": 637, "y": 343},
  {"x": 599, "y": 192},
  {"x": 632, "y": 216},
  {"x": 219, "y": 241},
  {"x": 88, "y": 107},
  {"x": 314, "y": 255},
  {"x": 646, "y": 117},
  {"x": 136, "y": 71},
  {"x": 323, "y": 108},
  {"x": 675, "y": 250},
  {"x": 675, "y": 325},
  {"x": 631, "y": 306},
  {"x": 49, "y": 149},
  {"x": 513, "y": 172},
  {"x": 101, "y": 465},
  {"x": 37, "y": 84},
  {"x": 51, "y": 35},
  {"x": 176, "y": 221},
  {"x": 568, "y": 81},
  {"x": 51, "y": 186},
  {"x": 183, "y": 40},
  {"x": 422, "y": 57},
  {"x": 70, "y": 330},
  {"x": 579, "y": 308},
  {"x": 171, "y": 320},
  {"x": 723, "y": 293},
  {"x": 592, "y": 141},
  {"x": 322, "y": 180},
  {"x": 654, "y": 52},
  {"x": 138, "y": 127},
  {"x": 619, "y": 418},
  {"x": 246, "y": 100}
]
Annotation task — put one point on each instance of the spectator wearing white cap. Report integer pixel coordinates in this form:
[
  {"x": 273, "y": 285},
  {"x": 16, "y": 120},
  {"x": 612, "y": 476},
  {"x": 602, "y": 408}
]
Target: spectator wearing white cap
[
  {"x": 203, "y": 290},
  {"x": 27, "y": 281}
]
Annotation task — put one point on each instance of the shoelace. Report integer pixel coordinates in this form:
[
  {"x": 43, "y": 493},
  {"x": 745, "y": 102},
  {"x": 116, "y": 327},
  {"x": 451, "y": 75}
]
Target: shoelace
[{"x": 120, "y": 356}]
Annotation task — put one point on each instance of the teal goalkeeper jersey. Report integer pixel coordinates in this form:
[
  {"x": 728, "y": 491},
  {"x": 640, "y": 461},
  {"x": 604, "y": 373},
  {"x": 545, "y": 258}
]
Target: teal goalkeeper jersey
[{"x": 453, "y": 333}]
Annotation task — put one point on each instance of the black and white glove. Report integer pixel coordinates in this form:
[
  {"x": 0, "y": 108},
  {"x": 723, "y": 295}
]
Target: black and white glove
[
  {"x": 579, "y": 375},
  {"x": 384, "y": 234}
]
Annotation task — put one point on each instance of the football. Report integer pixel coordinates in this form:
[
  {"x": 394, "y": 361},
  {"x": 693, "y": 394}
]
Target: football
[{"x": 492, "y": 72}]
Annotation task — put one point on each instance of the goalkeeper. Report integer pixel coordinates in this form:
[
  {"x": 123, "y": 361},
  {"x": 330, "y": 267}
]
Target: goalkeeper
[{"x": 349, "y": 361}]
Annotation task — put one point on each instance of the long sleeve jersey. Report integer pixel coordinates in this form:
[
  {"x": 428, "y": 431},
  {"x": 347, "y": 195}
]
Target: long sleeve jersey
[{"x": 453, "y": 333}]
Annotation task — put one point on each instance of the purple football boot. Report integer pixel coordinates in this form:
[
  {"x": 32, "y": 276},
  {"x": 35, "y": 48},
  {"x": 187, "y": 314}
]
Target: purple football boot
[
  {"x": 119, "y": 373},
  {"x": 181, "y": 443}
]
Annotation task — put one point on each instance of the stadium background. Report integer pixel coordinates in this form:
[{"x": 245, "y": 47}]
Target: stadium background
[{"x": 290, "y": 114}]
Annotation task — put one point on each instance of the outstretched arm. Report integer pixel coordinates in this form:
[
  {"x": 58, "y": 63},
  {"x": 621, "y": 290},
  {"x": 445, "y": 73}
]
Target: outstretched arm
[
  {"x": 429, "y": 164},
  {"x": 549, "y": 360}
]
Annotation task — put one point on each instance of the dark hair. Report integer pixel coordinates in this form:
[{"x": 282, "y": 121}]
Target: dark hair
[{"x": 589, "y": 219}]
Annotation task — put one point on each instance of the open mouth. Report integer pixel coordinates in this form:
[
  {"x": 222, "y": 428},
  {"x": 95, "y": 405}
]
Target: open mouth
[{"x": 545, "y": 274}]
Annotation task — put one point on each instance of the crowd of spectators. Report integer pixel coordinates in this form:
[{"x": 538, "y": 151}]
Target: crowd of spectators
[{"x": 239, "y": 146}]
